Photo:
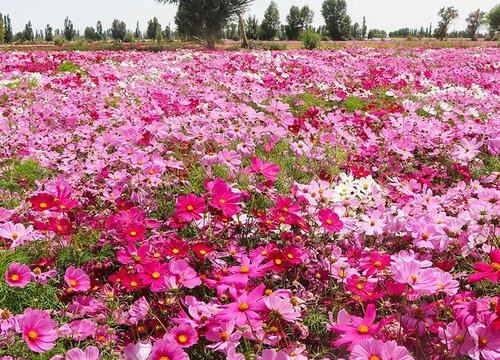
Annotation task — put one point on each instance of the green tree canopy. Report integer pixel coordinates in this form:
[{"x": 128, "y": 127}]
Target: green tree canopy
[
  {"x": 118, "y": 30},
  {"x": 204, "y": 20},
  {"x": 270, "y": 25},
  {"x": 338, "y": 23},
  {"x": 69, "y": 31},
  {"x": 298, "y": 20},
  {"x": 447, "y": 14}
]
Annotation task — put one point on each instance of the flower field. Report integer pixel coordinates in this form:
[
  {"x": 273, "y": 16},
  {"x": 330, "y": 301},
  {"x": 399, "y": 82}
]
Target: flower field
[{"x": 337, "y": 204}]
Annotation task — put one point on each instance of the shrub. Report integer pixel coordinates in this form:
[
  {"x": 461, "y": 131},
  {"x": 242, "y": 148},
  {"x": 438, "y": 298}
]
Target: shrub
[
  {"x": 311, "y": 39},
  {"x": 58, "y": 42}
]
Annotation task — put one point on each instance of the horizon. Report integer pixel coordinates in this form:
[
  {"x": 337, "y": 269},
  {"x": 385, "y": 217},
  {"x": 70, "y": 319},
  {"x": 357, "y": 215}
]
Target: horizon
[{"x": 388, "y": 15}]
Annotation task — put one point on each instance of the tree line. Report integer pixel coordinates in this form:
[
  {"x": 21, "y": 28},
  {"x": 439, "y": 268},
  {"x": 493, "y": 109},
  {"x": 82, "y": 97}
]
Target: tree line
[{"x": 209, "y": 21}]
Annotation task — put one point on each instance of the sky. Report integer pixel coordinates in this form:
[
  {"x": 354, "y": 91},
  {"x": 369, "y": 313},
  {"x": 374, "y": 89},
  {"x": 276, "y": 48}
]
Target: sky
[{"x": 386, "y": 15}]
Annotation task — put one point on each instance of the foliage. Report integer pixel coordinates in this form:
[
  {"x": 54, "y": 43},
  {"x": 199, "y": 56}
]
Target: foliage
[
  {"x": 252, "y": 27},
  {"x": 298, "y": 20},
  {"x": 310, "y": 39},
  {"x": 337, "y": 21},
  {"x": 49, "y": 35},
  {"x": 68, "y": 31},
  {"x": 493, "y": 18},
  {"x": 118, "y": 30},
  {"x": 474, "y": 21},
  {"x": 90, "y": 34},
  {"x": 2, "y": 29},
  {"x": 447, "y": 14},
  {"x": 270, "y": 25}
]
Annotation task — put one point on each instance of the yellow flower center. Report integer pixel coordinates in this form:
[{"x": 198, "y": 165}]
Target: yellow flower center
[
  {"x": 175, "y": 251},
  {"x": 263, "y": 252},
  {"x": 414, "y": 278},
  {"x": 290, "y": 256},
  {"x": 483, "y": 341},
  {"x": 268, "y": 292},
  {"x": 228, "y": 159},
  {"x": 189, "y": 208},
  {"x": 458, "y": 339},
  {"x": 156, "y": 275},
  {"x": 14, "y": 236},
  {"x": 285, "y": 209},
  {"x": 14, "y": 278},
  {"x": 222, "y": 201},
  {"x": 43, "y": 205},
  {"x": 329, "y": 221},
  {"x": 425, "y": 236},
  {"x": 377, "y": 263},
  {"x": 203, "y": 252},
  {"x": 363, "y": 329},
  {"x": 244, "y": 269},
  {"x": 156, "y": 255},
  {"x": 133, "y": 233},
  {"x": 277, "y": 261},
  {"x": 374, "y": 357},
  {"x": 224, "y": 336},
  {"x": 133, "y": 284},
  {"x": 342, "y": 274},
  {"x": 72, "y": 282},
  {"x": 243, "y": 306},
  {"x": 164, "y": 358},
  {"x": 182, "y": 338},
  {"x": 495, "y": 266},
  {"x": 359, "y": 286},
  {"x": 32, "y": 335}
]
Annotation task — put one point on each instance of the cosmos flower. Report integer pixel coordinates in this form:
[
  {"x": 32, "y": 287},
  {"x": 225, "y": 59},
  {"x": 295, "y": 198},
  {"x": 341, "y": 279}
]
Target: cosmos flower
[
  {"x": 18, "y": 275},
  {"x": 38, "y": 330},
  {"x": 76, "y": 279}
]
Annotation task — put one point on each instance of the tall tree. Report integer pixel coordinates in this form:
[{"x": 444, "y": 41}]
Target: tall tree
[
  {"x": 493, "y": 19},
  {"x": 270, "y": 25},
  {"x": 204, "y": 20},
  {"x": 90, "y": 33},
  {"x": 118, "y": 30},
  {"x": 2, "y": 30},
  {"x": 99, "y": 32},
  {"x": 49, "y": 36},
  {"x": 69, "y": 31},
  {"x": 252, "y": 27},
  {"x": 152, "y": 29},
  {"x": 474, "y": 22},
  {"x": 137, "y": 33},
  {"x": 9, "y": 34},
  {"x": 28, "y": 32},
  {"x": 364, "y": 29},
  {"x": 298, "y": 20},
  {"x": 242, "y": 32},
  {"x": 447, "y": 14},
  {"x": 338, "y": 23}
]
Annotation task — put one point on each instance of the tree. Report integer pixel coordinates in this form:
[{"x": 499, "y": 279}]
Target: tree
[
  {"x": 242, "y": 32},
  {"x": 152, "y": 29},
  {"x": 99, "y": 32},
  {"x": 375, "y": 34},
  {"x": 447, "y": 14},
  {"x": 90, "y": 33},
  {"x": 338, "y": 23},
  {"x": 364, "y": 29},
  {"x": 28, "y": 34},
  {"x": 493, "y": 19},
  {"x": 204, "y": 20},
  {"x": 2, "y": 29},
  {"x": 271, "y": 23},
  {"x": 69, "y": 31},
  {"x": 137, "y": 33},
  {"x": 118, "y": 30},
  {"x": 474, "y": 22},
  {"x": 252, "y": 28},
  {"x": 298, "y": 20},
  {"x": 49, "y": 36},
  {"x": 356, "y": 31},
  {"x": 8, "y": 33}
]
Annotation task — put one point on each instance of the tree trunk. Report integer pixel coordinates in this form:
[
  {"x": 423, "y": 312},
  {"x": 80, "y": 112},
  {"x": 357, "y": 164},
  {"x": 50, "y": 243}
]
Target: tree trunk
[{"x": 243, "y": 35}]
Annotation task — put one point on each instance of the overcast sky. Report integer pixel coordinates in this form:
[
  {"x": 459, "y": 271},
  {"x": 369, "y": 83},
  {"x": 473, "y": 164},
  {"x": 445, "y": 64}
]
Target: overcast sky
[{"x": 381, "y": 14}]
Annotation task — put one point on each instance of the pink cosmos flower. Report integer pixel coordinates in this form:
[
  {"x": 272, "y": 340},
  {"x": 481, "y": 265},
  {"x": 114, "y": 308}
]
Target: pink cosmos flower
[
  {"x": 139, "y": 351},
  {"x": 230, "y": 158},
  {"x": 271, "y": 354},
  {"x": 411, "y": 273},
  {"x": 245, "y": 307},
  {"x": 372, "y": 349},
  {"x": 189, "y": 207},
  {"x": 282, "y": 308},
  {"x": 375, "y": 263},
  {"x": 269, "y": 171},
  {"x": 224, "y": 198},
  {"x": 18, "y": 234},
  {"x": 139, "y": 310},
  {"x": 76, "y": 279},
  {"x": 486, "y": 342},
  {"x": 18, "y": 275},
  {"x": 223, "y": 334},
  {"x": 354, "y": 329},
  {"x": 185, "y": 335},
  {"x": 456, "y": 338},
  {"x": 467, "y": 150},
  {"x": 330, "y": 220},
  {"x": 373, "y": 224},
  {"x": 153, "y": 274},
  {"x": 488, "y": 271},
  {"x": 81, "y": 329},
  {"x": 183, "y": 274},
  {"x": 38, "y": 330},
  {"x": 167, "y": 348},
  {"x": 90, "y": 353}
]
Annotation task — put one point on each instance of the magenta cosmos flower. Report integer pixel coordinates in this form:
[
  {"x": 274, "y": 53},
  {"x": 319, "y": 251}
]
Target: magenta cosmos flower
[
  {"x": 488, "y": 271},
  {"x": 76, "y": 279},
  {"x": 38, "y": 330},
  {"x": 189, "y": 207},
  {"x": 18, "y": 275},
  {"x": 167, "y": 349},
  {"x": 330, "y": 220},
  {"x": 355, "y": 329},
  {"x": 269, "y": 171},
  {"x": 90, "y": 353},
  {"x": 139, "y": 351},
  {"x": 185, "y": 335},
  {"x": 245, "y": 307},
  {"x": 225, "y": 199},
  {"x": 282, "y": 308}
]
